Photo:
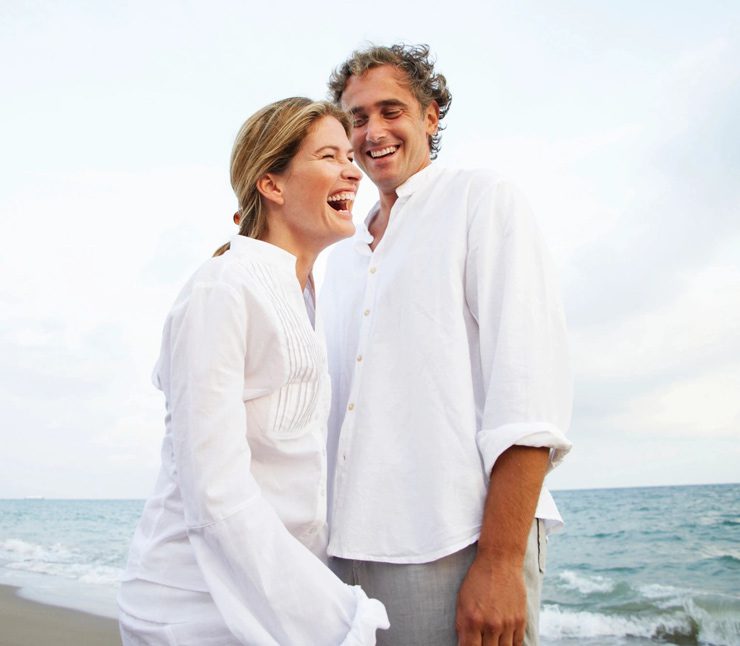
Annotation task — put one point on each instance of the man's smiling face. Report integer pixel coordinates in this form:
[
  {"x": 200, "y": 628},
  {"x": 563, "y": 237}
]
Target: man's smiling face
[{"x": 390, "y": 129}]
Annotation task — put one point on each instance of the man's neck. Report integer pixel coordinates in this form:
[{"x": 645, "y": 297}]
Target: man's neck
[{"x": 379, "y": 223}]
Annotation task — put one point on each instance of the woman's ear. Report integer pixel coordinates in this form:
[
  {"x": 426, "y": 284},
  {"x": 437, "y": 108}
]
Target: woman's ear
[{"x": 270, "y": 187}]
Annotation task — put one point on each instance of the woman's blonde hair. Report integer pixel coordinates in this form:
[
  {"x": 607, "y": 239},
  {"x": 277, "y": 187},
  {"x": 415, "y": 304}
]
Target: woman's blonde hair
[{"x": 266, "y": 143}]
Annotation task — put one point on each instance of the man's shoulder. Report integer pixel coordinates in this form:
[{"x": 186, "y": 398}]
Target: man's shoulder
[
  {"x": 341, "y": 255},
  {"x": 476, "y": 188},
  {"x": 345, "y": 247},
  {"x": 470, "y": 180}
]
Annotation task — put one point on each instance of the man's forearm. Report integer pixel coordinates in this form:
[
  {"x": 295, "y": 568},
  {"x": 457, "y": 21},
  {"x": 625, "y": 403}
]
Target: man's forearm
[
  {"x": 491, "y": 604},
  {"x": 516, "y": 482}
]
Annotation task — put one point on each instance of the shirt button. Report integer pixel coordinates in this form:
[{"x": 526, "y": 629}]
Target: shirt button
[
  {"x": 373, "y": 270},
  {"x": 359, "y": 357},
  {"x": 351, "y": 406},
  {"x": 366, "y": 313}
]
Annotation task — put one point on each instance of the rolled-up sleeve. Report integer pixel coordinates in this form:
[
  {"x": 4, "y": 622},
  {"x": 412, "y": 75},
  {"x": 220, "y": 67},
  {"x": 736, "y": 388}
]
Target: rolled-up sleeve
[
  {"x": 269, "y": 588},
  {"x": 514, "y": 298}
]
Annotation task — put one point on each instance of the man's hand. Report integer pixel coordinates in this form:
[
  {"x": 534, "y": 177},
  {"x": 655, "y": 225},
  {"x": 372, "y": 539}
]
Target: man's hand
[{"x": 492, "y": 605}]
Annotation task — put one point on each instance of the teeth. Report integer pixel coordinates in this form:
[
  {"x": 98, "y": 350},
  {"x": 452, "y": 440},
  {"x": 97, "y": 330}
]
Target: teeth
[
  {"x": 384, "y": 151},
  {"x": 341, "y": 197}
]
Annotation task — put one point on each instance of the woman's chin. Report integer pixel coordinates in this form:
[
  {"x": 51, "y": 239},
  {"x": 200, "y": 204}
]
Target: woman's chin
[{"x": 340, "y": 230}]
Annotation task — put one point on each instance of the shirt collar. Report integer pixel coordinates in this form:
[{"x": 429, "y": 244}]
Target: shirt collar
[
  {"x": 263, "y": 251},
  {"x": 362, "y": 237},
  {"x": 418, "y": 181}
]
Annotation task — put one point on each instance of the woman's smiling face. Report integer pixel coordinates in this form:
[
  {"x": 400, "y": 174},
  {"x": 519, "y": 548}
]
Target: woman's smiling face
[{"x": 318, "y": 188}]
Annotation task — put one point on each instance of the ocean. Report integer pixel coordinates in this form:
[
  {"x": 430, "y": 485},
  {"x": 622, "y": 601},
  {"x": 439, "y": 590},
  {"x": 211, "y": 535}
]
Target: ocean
[
  {"x": 644, "y": 566},
  {"x": 656, "y": 565}
]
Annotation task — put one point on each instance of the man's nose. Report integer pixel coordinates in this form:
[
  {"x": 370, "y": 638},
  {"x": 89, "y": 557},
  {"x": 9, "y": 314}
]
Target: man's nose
[{"x": 375, "y": 131}]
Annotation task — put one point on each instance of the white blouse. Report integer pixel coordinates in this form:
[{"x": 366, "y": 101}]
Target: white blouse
[
  {"x": 446, "y": 345},
  {"x": 237, "y": 517}
]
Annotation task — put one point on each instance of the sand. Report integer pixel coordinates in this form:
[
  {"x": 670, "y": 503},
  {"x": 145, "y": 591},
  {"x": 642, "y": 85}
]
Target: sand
[{"x": 26, "y": 623}]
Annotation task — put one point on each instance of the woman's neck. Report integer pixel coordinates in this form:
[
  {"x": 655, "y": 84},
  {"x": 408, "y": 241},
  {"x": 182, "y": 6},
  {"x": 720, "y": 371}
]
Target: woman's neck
[
  {"x": 305, "y": 258},
  {"x": 303, "y": 267}
]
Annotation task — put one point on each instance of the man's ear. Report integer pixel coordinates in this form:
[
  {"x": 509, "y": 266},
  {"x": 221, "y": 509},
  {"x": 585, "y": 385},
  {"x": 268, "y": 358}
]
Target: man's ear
[
  {"x": 270, "y": 187},
  {"x": 431, "y": 118}
]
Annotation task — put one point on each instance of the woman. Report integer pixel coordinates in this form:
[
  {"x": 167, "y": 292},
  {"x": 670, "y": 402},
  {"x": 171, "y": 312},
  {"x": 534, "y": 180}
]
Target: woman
[{"x": 231, "y": 545}]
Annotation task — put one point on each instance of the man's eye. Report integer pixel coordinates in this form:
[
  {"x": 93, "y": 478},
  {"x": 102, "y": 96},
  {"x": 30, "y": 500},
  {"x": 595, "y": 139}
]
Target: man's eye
[
  {"x": 392, "y": 114},
  {"x": 359, "y": 121}
]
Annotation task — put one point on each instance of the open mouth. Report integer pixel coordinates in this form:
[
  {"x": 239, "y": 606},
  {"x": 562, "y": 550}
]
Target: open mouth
[
  {"x": 383, "y": 152},
  {"x": 341, "y": 202}
]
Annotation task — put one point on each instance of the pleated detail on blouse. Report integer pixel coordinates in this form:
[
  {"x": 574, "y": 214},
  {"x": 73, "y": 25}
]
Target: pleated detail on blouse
[{"x": 297, "y": 399}]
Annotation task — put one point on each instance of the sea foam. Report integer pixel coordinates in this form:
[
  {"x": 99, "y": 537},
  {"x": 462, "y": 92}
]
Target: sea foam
[
  {"x": 585, "y": 584},
  {"x": 56, "y": 560}
]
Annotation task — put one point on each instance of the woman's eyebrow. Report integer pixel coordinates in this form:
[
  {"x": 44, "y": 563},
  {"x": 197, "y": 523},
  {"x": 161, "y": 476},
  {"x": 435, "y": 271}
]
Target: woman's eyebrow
[{"x": 348, "y": 151}]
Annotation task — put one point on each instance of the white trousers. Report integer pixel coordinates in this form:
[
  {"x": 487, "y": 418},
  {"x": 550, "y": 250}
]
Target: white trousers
[{"x": 421, "y": 599}]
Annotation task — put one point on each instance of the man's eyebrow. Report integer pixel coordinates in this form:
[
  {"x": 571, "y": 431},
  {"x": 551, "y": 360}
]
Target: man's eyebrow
[
  {"x": 391, "y": 103},
  {"x": 385, "y": 103}
]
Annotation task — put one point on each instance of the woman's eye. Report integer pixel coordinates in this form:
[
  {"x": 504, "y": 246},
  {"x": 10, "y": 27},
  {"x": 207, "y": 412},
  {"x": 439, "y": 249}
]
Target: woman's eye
[{"x": 328, "y": 156}]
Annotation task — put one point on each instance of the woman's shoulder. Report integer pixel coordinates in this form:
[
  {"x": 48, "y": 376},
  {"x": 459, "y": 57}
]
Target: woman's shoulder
[{"x": 250, "y": 270}]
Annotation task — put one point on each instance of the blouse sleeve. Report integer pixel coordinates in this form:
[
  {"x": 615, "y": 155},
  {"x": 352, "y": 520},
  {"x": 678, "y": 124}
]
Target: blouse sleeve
[
  {"x": 269, "y": 588},
  {"x": 515, "y": 300}
]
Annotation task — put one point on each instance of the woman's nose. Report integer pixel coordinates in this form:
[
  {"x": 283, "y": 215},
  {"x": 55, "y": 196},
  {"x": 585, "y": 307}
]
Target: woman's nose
[{"x": 351, "y": 171}]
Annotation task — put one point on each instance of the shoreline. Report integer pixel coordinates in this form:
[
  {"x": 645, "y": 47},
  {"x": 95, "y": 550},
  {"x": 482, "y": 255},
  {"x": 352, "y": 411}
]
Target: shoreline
[{"x": 29, "y": 623}]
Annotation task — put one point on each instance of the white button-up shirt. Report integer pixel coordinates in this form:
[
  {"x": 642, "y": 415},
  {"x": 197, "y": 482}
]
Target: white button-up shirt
[
  {"x": 239, "y": 509},
  {"x": 446, "y": 346}
]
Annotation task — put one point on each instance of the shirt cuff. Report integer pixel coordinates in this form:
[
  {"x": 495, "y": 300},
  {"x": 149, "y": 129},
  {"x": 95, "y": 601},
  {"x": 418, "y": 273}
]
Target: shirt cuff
[
  {"x": 492, "y": 442},
  {"x": 369, "y": 616}
]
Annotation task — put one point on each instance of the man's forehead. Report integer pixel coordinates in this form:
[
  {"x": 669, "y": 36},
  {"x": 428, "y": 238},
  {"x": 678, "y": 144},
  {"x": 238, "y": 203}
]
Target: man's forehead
[{"x": 384, "y": 84}]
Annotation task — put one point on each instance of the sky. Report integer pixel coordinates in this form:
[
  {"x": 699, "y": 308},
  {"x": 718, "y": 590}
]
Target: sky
[{"x": 620, "y": 122}]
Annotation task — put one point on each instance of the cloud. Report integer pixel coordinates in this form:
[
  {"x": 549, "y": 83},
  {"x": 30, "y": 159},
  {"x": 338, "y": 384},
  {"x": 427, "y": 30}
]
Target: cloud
[
  {"x": 697, "y": 330},
  {"x": 685, "y": 197},
  {"x": 704, "y": 406}
]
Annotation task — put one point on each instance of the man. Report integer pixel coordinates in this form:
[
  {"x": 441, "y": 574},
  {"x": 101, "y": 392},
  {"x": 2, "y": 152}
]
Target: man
[{"x": 447, "y": 351}]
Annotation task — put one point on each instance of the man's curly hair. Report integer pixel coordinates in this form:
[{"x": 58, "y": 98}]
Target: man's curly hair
[{"x": 417, "y": 65}]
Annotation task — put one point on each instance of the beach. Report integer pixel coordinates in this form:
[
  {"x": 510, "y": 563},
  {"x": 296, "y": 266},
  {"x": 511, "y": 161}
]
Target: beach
[{"x": 27, "y": 623}]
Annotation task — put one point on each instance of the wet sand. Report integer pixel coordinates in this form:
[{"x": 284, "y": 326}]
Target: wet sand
[{"x": 27, "y": 623}]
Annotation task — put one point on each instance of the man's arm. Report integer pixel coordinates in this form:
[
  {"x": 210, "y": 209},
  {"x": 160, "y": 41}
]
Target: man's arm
[
  {"x": 513, "y": 296},
  {"x": 492, "y": 603}
]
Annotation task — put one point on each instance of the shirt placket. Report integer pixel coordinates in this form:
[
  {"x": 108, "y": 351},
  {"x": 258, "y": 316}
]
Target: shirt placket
[
  {"x": 367, "y": 314},
  {"x": 366, "y": 320}
]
